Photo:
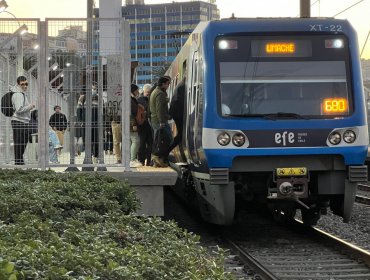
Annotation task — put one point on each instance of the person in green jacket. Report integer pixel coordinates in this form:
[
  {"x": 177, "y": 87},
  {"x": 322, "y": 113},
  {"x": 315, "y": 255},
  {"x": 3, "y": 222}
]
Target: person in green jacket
[{"x": 159, "y": 116}]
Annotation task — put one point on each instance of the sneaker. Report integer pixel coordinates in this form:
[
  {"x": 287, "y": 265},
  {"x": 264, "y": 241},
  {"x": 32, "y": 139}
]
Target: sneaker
[
  {"x": 57, "y": 147},
  {"x": 135, "y": 163},
  {"x": 119, "y": 161}
]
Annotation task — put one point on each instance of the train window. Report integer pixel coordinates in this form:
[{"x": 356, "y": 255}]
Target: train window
[
  {"x": 195, "y": 80},
  {"x": 307, "y": 75},
  {"x": 301, "y": 87}
]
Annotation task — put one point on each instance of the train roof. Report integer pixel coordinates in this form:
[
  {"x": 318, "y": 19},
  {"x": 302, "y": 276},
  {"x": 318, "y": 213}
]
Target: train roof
[{"x": 273, "y": 25}]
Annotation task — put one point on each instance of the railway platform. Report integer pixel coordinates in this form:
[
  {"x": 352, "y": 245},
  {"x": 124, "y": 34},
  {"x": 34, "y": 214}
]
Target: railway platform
[{"x": 148, "y": 182}]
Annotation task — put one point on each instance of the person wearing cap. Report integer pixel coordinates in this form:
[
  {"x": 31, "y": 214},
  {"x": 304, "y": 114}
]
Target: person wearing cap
[
  {"x": 159, "y": 116},
  {"x": 134, "y": 135},
  {"x": 58, "y": 121}
]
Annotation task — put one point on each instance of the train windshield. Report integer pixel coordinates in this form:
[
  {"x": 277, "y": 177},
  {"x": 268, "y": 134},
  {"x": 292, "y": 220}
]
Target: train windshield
[{"x": 283, "y": 77}]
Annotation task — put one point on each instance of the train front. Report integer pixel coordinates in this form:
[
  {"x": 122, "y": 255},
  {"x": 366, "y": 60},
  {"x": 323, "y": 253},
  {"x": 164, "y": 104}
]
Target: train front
[{"x": 288, "y": 122}]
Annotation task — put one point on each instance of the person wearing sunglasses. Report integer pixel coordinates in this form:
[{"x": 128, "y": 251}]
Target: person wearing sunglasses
[{"x": 21, "y": 119}]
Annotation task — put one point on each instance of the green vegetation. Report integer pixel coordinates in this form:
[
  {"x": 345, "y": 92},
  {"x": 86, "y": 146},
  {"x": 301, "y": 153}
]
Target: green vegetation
[{"x": 79, "y": 226}]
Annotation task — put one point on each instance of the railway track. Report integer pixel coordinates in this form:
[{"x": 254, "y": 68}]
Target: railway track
[
  {"x": 363, "y": 194},
  {"x": 299, "y": 252},
  {"x": 261, "y": 249}
]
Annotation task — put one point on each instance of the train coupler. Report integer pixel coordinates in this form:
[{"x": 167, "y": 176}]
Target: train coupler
[{"x": 291, "y": 184}]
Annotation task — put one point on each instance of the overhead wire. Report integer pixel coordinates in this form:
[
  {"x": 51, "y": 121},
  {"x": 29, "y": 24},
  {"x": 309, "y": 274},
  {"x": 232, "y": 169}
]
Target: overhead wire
[
  {"x": 363, "y": 48},
  {"x": 348, "y": 8}
]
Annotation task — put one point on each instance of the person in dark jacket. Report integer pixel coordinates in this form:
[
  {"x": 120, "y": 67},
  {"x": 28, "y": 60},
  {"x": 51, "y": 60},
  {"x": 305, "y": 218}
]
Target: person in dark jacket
[
  {"x": 94, "y": 129},
  {"x": 159, "y": 116},
  {"x": 177, "y": 111},
  {"x": 145, "y": 130},
  {"x": 108, "y": 134},
  {"x": 58, "y": 122},
  {"x": 134, "y": 134},
  {"x": 80, "y": 125}
]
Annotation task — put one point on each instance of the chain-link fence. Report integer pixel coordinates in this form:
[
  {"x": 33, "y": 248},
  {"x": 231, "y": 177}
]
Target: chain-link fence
[{"x": 77, "y": 71}]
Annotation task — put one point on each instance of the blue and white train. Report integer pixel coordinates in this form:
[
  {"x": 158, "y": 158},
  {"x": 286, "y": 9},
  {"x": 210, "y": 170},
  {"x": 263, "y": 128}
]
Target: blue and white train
[{"x": 274, "y": 113}]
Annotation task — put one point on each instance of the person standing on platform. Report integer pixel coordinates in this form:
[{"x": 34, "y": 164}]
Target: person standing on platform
[
  {"x": 134, "y": 134},
  {"x": 117, "y": 137},
  {"x": 58, "y": 121},
  {"x": 95, "y": 129},
  {"x": 159, "y": 116},
  {"x": 20, "y": 119},
  {"x": 145, "y": 130},
  {"x": 80, "y": 125},
  {"x": 177, "y": 111}
]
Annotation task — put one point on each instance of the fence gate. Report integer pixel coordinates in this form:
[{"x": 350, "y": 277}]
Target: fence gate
[{"x": 77, "y": 71}]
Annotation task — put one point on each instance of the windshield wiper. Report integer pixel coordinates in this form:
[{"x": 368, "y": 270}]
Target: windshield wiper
[
  {"x": 282, "y": 115},
  {"x": 275, "y": 116},
  {"x": 245, "y": 115}
]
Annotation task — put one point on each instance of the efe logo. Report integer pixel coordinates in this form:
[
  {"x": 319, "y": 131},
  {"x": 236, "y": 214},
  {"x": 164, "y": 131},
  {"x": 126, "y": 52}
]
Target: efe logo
[{"x": 284, "y": 138}]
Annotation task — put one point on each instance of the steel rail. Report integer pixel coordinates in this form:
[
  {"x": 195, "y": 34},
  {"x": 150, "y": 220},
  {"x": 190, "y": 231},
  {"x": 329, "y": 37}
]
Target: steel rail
[
  {"x": 362, "y": 199},
  {"x": 347, "y": 247},
  {"x": 251, "y": 261}
]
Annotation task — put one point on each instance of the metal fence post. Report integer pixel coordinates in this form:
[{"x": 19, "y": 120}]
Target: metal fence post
[
  {"x": 87, "y": 159},
  {"x": 126, "y": 105},
  {"x": 101, "y": 113},
  {"x": 43, "y": 109},
  {"x": 71, "y": 107}
]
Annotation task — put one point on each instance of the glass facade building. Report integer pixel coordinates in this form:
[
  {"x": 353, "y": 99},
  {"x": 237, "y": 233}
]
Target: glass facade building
[{"x": 158, "y": 32}]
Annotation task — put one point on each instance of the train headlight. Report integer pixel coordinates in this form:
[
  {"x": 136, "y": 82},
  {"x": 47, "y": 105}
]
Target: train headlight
[
  {"x": 223, "y": 139},
  {"x": 238, "y": 139},
  {"x": 228, "y": 44},
  {"x": 349, "y": 136},
  {"x": 335, "y": 138}
]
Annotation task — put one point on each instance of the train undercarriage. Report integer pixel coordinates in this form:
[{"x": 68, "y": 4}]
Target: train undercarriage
[{"x": 311, "y": 191}]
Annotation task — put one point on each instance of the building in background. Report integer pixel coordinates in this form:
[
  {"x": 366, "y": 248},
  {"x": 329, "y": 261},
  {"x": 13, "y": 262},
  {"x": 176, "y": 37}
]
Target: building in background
[{"x": 158, "y": 31}]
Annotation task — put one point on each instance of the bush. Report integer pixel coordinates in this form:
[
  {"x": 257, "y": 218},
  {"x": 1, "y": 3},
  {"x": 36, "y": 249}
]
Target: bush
[{"x": 68, "y": 226}]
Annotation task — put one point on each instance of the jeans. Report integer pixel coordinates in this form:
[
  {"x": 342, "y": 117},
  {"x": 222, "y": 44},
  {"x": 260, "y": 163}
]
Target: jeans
[
  {"x": 146, "y": 143},
  {"x": 135, "y": 143},
  {"x": 21, "y": 134},
  {"x": 117, "y": 139}
]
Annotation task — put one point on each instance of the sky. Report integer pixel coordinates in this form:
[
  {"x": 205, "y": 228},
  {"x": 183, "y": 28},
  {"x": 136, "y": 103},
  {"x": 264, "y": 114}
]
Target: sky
[{"x": 358, "y": 15}]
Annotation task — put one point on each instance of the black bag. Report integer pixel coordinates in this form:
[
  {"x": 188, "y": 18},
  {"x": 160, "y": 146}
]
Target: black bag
[
  {"x": 161, "y": 143},
  {"x": 6, "y": 104}
]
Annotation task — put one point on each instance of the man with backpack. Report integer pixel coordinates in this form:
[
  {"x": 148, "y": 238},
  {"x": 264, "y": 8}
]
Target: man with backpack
[{"x": 21, "y": 119}]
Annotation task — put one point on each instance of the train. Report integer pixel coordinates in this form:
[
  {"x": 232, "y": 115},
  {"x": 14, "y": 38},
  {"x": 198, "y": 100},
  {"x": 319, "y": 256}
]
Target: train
[{"x": 274, "y": 114}]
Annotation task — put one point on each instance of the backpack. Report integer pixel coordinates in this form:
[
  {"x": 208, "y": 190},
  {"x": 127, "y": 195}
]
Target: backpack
[
  {"x": 140, "y": 114},
  {"x": 6, "y": 104},
  {"x": 161, "y": 143}
]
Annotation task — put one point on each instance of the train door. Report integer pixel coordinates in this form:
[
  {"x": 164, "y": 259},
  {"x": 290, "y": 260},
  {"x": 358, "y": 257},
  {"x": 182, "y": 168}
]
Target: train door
[{"x": 192, "y": 128}]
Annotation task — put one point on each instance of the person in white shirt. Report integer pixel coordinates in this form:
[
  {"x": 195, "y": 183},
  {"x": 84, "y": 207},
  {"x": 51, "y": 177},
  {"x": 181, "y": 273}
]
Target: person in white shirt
[{"x": 21, "y": 119}]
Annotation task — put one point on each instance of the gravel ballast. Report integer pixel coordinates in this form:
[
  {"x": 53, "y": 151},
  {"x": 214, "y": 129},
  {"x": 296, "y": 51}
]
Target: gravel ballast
[{"x": 357, "y": 231}]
